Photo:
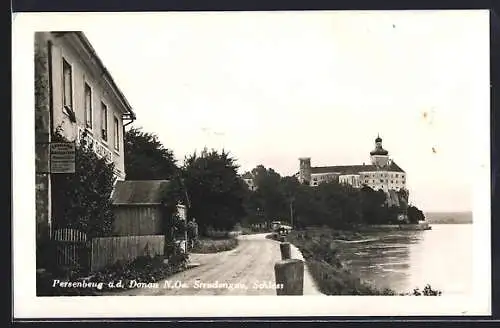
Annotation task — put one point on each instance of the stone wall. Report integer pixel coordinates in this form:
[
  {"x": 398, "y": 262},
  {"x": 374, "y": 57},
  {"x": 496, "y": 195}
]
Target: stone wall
[{"x": 42, "y": 136}]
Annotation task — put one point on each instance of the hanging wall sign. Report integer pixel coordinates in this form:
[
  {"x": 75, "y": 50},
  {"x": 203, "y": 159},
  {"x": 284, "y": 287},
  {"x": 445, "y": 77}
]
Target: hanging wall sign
[{"x": 62, "y": 157}]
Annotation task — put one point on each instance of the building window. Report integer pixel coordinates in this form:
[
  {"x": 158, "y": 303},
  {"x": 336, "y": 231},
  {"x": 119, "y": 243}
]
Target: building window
[
  {"x": 104, "y": 122},
  {"x": 88, "y": 106},
  {"x": 67, "y": 86},
  {"x": 382, "y": 180},
  {"x": 117, "y": 134},
  {"x": 392, "y": 181}
]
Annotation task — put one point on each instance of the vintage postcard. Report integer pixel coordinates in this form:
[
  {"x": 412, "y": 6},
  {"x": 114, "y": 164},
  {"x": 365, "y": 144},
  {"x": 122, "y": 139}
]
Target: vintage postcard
[{"x": 176, "y": 164}]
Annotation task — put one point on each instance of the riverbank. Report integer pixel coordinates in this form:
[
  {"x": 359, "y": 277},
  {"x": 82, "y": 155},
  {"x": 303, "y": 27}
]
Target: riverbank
[
  {"x": 320, "y": 249},
  {"x": 421, "y": 226}
]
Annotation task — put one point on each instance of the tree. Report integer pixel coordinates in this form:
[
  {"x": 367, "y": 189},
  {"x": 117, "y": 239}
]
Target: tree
[
  {"x": 290, "y": 187},
  {"x": 83, "y": 200},
  {"x": 415, "y": 215},
  {"x": 173, "y": 195},
  {"x": 146, "y": 158},
  {"x": 373, "y": 206},
  {"x": 252, "y": 205},
  {"x": 215, "y": 191},
  {"x": 269, "y": 191}
]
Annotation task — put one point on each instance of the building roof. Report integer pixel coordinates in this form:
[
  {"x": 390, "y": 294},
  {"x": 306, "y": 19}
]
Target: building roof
[
  {"x": 88, "y": 46},
  {"x": 139, "y": 192},
  {"x": 352, "y": 169},
  {"x": 396, "y": 168}
]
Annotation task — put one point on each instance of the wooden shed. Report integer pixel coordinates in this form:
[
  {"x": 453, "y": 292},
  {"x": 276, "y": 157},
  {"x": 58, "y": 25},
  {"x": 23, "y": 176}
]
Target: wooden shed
[{"x": 137, "y": 207}]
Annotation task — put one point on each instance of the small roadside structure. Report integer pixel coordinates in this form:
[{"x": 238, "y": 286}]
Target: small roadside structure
[{"x": 138, "y": 207}]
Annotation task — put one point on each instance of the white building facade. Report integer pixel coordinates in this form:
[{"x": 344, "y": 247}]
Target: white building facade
[
  {"x": 85, "y": 99},
  {"x": 249, "y": 180},
  {"x": 382, "y": 174},
  {"x": 74, "y": 95}
]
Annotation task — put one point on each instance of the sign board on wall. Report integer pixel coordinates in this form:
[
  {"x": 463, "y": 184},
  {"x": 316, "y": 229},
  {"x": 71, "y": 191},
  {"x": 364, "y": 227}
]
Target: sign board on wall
[
  {"x": 181, "y": 209},
  {"x": 62, "y": 157}
]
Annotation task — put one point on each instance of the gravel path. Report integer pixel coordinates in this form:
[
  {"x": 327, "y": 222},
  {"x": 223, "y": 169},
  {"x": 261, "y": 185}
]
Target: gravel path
[{"x": 246, "y": 270}]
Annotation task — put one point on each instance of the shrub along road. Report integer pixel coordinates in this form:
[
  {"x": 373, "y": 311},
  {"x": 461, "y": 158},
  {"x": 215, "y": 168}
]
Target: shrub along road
[{"x": 245, "y": 270}]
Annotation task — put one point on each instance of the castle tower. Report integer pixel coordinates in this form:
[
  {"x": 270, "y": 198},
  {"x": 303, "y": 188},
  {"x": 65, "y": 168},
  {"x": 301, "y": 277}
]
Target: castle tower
[
  {"x": 379, "y": 156},
  {"x": 305, "y": 170}
]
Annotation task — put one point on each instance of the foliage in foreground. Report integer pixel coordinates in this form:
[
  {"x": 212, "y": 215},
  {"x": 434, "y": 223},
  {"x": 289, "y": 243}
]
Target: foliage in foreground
[
  {"x": 82, "y": 200},
  {"x": 143, "y": 269},
  {"x": 331, "y": 275}
]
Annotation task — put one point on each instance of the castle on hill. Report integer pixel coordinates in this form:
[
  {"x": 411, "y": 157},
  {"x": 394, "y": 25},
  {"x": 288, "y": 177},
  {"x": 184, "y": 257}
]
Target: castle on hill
[{"x": 382, "y": 174}]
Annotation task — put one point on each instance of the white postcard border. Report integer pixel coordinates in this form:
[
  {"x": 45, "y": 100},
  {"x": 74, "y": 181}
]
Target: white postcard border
[{"x": 27, "y": 305}]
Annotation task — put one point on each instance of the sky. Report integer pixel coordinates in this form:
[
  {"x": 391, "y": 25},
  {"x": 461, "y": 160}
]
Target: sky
[{"x": 273, "y": 87}]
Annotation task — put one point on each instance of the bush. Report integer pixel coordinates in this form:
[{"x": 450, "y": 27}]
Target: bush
[
  {"x": 427, "y": 291},
  {"x": 204, "y": 246},
  {"x": 83, "y": 199},
  {"x": 144, "y": 269}
]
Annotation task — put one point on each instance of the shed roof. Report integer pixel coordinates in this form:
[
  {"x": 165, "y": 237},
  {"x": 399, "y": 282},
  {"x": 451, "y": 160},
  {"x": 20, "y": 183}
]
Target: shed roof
[{"x": 139, "y": 192}]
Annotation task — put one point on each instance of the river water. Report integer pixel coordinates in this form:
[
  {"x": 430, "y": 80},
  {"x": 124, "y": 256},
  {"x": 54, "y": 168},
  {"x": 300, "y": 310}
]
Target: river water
[{"x": 404, "y": 260}]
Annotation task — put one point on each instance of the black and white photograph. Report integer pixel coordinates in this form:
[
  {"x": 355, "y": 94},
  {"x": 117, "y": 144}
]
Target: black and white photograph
[{"x": 301, "y": 155}]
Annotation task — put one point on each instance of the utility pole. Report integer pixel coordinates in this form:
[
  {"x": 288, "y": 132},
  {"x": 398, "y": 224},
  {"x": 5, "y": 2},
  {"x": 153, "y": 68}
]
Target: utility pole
[{"x": 291, "y": 211}]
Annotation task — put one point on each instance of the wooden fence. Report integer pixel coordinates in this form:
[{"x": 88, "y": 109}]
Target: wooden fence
[
  {"x": 71, "y": 249},
  {"x": 108, "y": 250}
]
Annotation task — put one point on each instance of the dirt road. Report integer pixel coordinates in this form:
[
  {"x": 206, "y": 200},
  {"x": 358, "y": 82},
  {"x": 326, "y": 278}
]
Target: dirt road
[{"x": 246, "y": 270}]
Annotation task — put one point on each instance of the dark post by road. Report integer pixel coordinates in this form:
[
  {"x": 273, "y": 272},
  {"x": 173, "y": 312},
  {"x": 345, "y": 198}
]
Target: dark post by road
[
  {"x": 289, "y": 275},
  {"x": 285, "y": 251}
]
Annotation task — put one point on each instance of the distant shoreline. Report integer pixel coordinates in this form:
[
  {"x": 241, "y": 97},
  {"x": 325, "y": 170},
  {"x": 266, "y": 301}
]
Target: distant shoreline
[
  {"x": 450, "y": 223},
  {"x": 449, "y": 217}
]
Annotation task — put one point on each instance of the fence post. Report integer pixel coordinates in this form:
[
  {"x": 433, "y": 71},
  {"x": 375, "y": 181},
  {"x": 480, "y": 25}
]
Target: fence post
[
  {"x": 285, "y": 251},
  {"x": 289, "y": 276}
]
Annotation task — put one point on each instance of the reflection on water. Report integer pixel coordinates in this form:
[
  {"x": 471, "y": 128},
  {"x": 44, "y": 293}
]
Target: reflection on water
[{"x": 404, "y": 260}]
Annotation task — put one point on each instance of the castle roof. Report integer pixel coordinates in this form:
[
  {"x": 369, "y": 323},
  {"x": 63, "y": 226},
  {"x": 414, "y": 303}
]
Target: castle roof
[
  {"x": 379, "y": 151},
  {"x": 353, "y": 169}
]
